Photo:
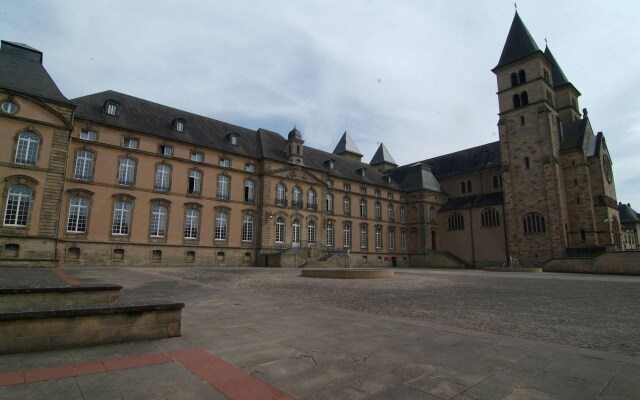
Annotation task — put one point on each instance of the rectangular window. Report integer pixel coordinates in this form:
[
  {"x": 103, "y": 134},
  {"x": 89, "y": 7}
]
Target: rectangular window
[
  {"x": 221, "y": 226},
  {"x": 112, "y": 109},
  {"x": 378, "y": 237},
  {"x": 225, "y": 162},
  {"x": 191, "y": 223},
  {"x": 250, "y": 167},
  {"x": 346, "y": 187},
  {"x": 84, "y": 165},
  {"x": 377, "y": 193},
  {"x": 402, "y": 214},
  {"x": 126, "y": 171},
  {"x": 223, "y": 187},
  {"x": 130, "y": 143},
  {"x": 158, "y": 226},
  {"x": 392, "y": 239},
  {"x": 329, "y": 203},
  {"x": 247, "y": 228},
  {"x": 196, "y": 156},
  {"x": 346, "y": 238},
  {"x": 248, "y": 191},
  {"x": 330, "y": 235},
  {"x": 87, "y": 134},
  {"x": 390, "y": 196},
  {"x": 121, "y": 218},
  {"x": 195, "y": 182},
  {"x": 165, "y": 150},
  {"x": 363, "y": 237},
  {"x": 329, "y": 183},
  {"x": 78, "y": 213},
  {"x": 346, "y": 206},
  {"x": 163, "y": 174},
  {"x": 403, "y": 240},
  {"x": 363, "y": 190}
]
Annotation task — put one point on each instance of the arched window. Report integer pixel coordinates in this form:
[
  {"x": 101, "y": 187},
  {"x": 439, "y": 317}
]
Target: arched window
[
  {"x": 311, "y": 233},
  {"x": 16, "y": 212},
  {"x": 247, "y": 228},
  {"x": 163, "y": 173},
  {"x": 280, "y": 230},
  {"x": 191, "y": 223},
  {"x": 296, "y": 200},
  {"x": 456, "y": 221},
  {"x": 514, "y": 79},
  {"x": 126, "y": 171},
  {"x": 346, "y": 205},
  {"x": 490, "y": 217},
  {"x": 295, "y": 237},
  {"x": 378, "y": 210},
  {"x": 329, "y": 203},
  {"x": 392, "y": 212},
  {"x": 27, "y": 150},
  {"x": 223, "y": 187},
  {"x": 497, "y": 181},
  {"x": 281, "y": 195},
  {"x": 516, "y": 101},
  {"x": 78, "y": 214},
  {"x": 311, "y": 200},
  {"x": 432, "y": 215},
  {"x": 330, "y": 235},
  {"x": 363, "y": 208},
  {"x": 121, "y": 218},
  {"x": 533, "y": 223},
  {"x": 84, "y": 165},
  {"x": 222, "y": 220},
  {"x": 158, "y": 226},
  {"x": 522, "y": 76},
  {"x": 524, "y": 98},
  {"x": 195, "y": 182},
  {"x": 249, "y": 189},
  {"x": 364, "y": 236}
]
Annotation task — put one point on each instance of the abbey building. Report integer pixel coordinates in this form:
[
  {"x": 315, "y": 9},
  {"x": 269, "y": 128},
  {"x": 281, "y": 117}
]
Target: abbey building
[{"x": 111, "y": 179}]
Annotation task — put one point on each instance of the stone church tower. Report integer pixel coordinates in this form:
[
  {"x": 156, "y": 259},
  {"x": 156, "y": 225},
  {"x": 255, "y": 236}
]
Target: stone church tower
[{"x": 530, "y": 139}]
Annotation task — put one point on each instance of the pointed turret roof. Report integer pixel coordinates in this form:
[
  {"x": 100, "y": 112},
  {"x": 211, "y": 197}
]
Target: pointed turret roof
[
  {"x": 519, "y": 43},
  {"x": 559, "y": 78},
  {"x": 294, "y": 134},
  {"x": 382, "y": 156},
  {"x": 347, "y": 145}
]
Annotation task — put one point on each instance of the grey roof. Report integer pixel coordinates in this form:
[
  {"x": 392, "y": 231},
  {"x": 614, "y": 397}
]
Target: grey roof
[
  {"x": 519, "y": 43},
  {"x": 464, "y": 161},
  {"x": 21, "y": 71},
  {"x": 559, "y": 78},
  {"x": 156, "y": 119},
  {"x": 477, "y": 201},
  {"x": 415, "y": 177},
  {"x": 573, "y": 133},
  {"x": 382, "y": 156},
  {"x": 627, "y": 214},
  {"x": 346, "y": 145},
  {"x": 295, "y": 134}
]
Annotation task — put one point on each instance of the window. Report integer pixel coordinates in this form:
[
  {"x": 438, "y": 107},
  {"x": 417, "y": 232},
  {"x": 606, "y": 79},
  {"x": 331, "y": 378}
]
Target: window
[
  {"x": 362, "y": 171},
  {"x": 295, "y": 237},
  {"x": 329, "y": 203},
  {"x": 121, "y": 218},
  {"x": 490, "y": 217},
  {"x": 497, "y": 181},
  {"x": 281, "y": 195},
  {"x": 402, "y": 215},
  {"x": 533, "y": 223},
  {"x": 250, "y": 167},
  {"x": 514, "y": 79},
  {"x": 522, "y": 120},
  {"x": 432, "y": 215},
  {"x": 297, "y": 197},
  {"x": 165, "y": 150},
  {"x": 378, "y": 237},
  {"x": 392, "y": 213},
  {"x": 403, "y": 239},
  {"x": 311, "y": 200},
  {"x": 156, "y": 255},
  {"x": 364, "y": 236},
  {"x": 27, "y": 150},
  {"x": 248, "y": 191},
  {"x": 196, "y": 156},
  {"x": 392, "y": 238},
  {"x": 516, "y": 101},
  {"x": 546, "y": 75},
  {"x": 346, "y": 205},
  {"x": 346, "y": 187},
  {"x": 330, "y": 235},
  {"x": 456, "y": 221},
  {"x": 84, "y": 165},
  {"x": 130, "y": 143},
  {"x": 346, "y": 235},
  {"x": 377, "y": 193},
  {"x": 280, "y": 230},
  {"x": 158, "y": 221},
  {"x": 311, "y": 233},
  {"x": 87, "y": 134},
  {"x": 221, "y": 225},
  {"x": 163, "y": 173},
  {"x": 178, "y": 124},
  {"x": 224, "y": 162},
  {"x": 78, "y": 214},
  {"x": 527, "y": 165},
  {"x": 583, "y": 235},
  {"x": 463, "y": 187},
  {"x": 191, "y": 223},
  {"x": 363, "y": 208},
  {"x": 9, "y": 107},
  {"x": 524, "y": 98},
  {"x": 522, "y": 77},
  {"x": 126, "y": 171},
  {"x": 329, "y": 183},
  {"x": 16, "y": 212},
  {"x": 389, "y": 196},
  {"x": 232, "y": 138},
  {"x": 363, "y": 190},
  {"x": 195, "y": 182},
  {"x": 111, "y": 108},
  {"x": 378, "y": 210},
  {"x": 247, "y": 228},
  {"x": 223, "y": 187},
  {"x": 332, "y": 164}
]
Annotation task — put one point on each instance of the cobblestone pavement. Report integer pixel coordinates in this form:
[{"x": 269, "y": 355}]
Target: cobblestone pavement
[{"x": 589, "y": 311}]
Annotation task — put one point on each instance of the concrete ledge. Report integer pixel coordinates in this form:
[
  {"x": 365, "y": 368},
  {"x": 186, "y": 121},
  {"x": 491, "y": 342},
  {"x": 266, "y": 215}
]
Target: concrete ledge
[
  {"x": 519, "y": 269},
  {"x": 45, "y": 329},
  {"x": 50, "y": 297},
  {"x": 345, "y": 273}
]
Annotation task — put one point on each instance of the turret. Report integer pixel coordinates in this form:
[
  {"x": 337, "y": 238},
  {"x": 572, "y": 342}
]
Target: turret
[{"x": 295, "y": 147}]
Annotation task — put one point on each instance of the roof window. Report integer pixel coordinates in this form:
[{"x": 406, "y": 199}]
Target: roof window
[
  {"x": 232, "y": 138},
  {"x": 111, "y": 107},
  {"x": 178, "y": 124}
]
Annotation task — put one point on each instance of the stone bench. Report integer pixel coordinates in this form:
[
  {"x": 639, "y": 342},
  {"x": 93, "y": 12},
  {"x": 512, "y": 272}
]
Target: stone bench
[
  {"x": 38, "y": 328},
  {"x": 51, "y": 297}
]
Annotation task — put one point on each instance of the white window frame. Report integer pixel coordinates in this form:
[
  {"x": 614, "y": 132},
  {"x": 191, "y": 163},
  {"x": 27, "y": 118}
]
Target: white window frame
[
  {"x": 78, "y": 215},
  {"x": 84, "y": 165},
  {"x": 27, "y": 148},
  {"x": 17, "y": 207}
]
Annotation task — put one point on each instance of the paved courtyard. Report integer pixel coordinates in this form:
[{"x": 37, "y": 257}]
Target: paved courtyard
[{"x": 421, "y": 335}]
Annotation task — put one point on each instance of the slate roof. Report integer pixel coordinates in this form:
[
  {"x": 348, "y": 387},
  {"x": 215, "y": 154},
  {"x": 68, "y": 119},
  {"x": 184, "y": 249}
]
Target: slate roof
[
  {"x": 627, "y": 214},
  {"x": 559, "y": 78},
  {"x": 294, "y": 134},
  {"x": 573, "y": 133},
  {"x": 477, "y": 201},
  {"x": 415, "y": 176},
  {"x": 382, "y": 155},
  {"x": 346, "y": 145},
  {"x": 519, "y": 43},
  {"x": 464, "y": 161},
  {"x": 21, "y": 71}
]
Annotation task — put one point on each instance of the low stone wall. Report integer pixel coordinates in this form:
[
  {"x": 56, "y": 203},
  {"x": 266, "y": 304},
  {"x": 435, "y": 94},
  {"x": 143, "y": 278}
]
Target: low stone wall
[
  {"x": 21, "y": 298},
  {"x": 617, "y": 263},
  {"x": 346, "y": 273},
  {"x": 36, "y": 330}
]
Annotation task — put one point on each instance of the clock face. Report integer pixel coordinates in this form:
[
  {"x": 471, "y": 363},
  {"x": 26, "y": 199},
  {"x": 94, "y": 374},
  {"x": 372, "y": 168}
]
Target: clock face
[{"x": 606, "y": 164}]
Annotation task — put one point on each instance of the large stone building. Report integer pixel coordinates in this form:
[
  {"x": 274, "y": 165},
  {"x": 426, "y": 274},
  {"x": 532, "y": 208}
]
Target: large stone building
[{"x": 112, "y": 179}]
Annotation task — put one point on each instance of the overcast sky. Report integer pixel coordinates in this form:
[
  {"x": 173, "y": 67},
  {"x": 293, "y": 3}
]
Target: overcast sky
[{"x": 415, "y": 75}]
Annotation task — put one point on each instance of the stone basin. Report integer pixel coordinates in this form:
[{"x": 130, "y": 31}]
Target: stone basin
[{"x": 346, "y": 273}]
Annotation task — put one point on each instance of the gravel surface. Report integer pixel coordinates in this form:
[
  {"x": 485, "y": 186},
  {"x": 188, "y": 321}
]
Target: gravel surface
[{"x": 595, "y": 312}]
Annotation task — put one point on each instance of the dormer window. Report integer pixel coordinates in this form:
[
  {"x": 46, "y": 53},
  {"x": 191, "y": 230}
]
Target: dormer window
[
  {"x": 362, "y": 171},
  {"x": 178, "y": 124},
  {"x": 232, "y": 138},
  {"x": 111, "y": 107},
  {"x": 387, "y": 178},
  {"x": 331, "y": 164},
  {"x": 9, "y": 107}
]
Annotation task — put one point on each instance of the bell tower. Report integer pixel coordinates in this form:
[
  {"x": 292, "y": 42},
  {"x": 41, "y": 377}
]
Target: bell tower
[{"x": 530, "y": 138}]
